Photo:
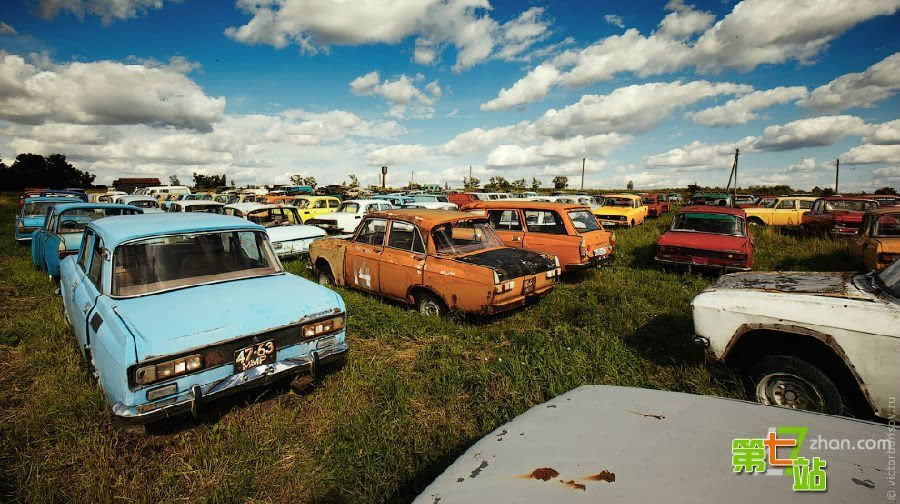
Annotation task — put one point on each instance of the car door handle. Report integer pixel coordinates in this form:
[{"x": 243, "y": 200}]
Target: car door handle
[
  {"x": 86, "y": 307},
  {"x": 517, "y": 238}
]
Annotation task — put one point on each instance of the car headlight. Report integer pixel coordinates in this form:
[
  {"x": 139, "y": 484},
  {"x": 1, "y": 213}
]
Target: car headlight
[
  {"x": 323, "y": 327},
  {"x": 165, "y": 370}
]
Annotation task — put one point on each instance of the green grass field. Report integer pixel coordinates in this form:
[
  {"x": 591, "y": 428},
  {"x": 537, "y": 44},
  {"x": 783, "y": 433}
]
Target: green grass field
[{"x": 413, "y": 395}]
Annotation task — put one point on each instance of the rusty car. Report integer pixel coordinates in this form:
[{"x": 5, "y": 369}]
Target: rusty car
[
  {"x": 711, "y": 237},
  {"x": 826, "y": 342},
  {"x": 836, "y": 215},
  {"x": 657, "y": 204},
  {"x": 347, "y": 217},
  {"x": 877, "y": 243},
  {"x": 435, "y": 260},
  {"x": 569, "y": 232}
]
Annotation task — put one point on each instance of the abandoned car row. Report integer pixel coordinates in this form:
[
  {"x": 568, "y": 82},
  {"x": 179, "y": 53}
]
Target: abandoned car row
[{"x": 826, "y": 342}]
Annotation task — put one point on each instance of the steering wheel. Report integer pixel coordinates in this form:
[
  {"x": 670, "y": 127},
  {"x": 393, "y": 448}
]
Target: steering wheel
[{"x": 70, "y": 223}]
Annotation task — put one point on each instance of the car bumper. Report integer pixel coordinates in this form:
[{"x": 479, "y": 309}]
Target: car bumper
[
  {"x": 843, "y": 232},
  {"x": 713, "y": 266},
  {"x": 610, "y": 223},
  {"x": 593, "y": 262},
  {"x": 509, "y": 303},
  {"x": 193, "y": 399}
]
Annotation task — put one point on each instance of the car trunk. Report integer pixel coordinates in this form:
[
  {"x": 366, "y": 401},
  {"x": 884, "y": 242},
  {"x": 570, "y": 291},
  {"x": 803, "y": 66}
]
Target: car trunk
[
  {"x": 510, "y": 262},
  {"x": 703, "y": 241}
]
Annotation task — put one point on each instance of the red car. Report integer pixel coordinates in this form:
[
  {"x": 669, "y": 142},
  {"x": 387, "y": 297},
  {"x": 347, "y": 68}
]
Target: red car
[
  {"x": 657, "y": 204},
  {"x": 886, "y": 200},
  {"x": 460, "y": 199},
  {"x": 715, "y": 237},
  {"x": 837, "y": 215}
]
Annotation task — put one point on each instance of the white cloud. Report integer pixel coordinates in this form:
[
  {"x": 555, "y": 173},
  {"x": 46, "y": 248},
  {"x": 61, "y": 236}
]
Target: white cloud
[
  {"x": 398, "y": 154},
  {"x": 104, "y": 92},
  {"x": 107, "y": 10},
  {"x": 816, "y": 131},
  {"x": 479, "y": 139},
  {"x": 871, "y": 154},
  {"x": 6, "y": 29},
  {"x": 553, "y": 152},
  {"x": 862, "y": 89},
  {"x": 888, "y": 172},
  {"x": 807, "y": 164},
  {"x": 464, "y": 24},
  {"x": 744, "y": 109},
  {"x": 434, "y": 89},
  {"x": 531, "y": 88},
  {"x": 398, "y": 93},
  {"x": 884, "y": 134},
  {"x": 756, "y": 32},
  {"x": 701, "y": 156},
  {"x": 614, "y": 20}
]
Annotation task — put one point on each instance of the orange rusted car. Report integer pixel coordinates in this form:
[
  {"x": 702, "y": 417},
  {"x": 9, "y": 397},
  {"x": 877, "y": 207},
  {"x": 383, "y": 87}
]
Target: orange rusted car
[
  {"x": 436, "y": 260},
  {"x": 570, "y": 232},
  {"x": 877, "y": 243}
]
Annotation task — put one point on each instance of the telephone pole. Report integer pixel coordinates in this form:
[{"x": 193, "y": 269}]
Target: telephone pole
[
  {"x": 582, "y": 174},
  {"x": 837, "y": 170}
]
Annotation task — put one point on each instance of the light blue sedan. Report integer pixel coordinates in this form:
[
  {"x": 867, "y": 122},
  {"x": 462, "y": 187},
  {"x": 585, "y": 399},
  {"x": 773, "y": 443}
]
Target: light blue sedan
[
  {"x": 33, "y": 213},
  {"x": 64, "y": 228},
  {"x": 173, "y": 312}
]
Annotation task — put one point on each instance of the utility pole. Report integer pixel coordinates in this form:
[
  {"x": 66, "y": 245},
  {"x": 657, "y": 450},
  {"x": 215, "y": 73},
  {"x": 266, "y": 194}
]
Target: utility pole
[
  {"x": 582, "y": 174},
  {"x": 837, "y": 170},
  {"x": 733, "y": 173}
]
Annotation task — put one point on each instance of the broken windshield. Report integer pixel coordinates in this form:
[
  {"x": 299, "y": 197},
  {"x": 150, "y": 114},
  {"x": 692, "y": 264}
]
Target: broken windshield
[{"x": 464, "y": 237}]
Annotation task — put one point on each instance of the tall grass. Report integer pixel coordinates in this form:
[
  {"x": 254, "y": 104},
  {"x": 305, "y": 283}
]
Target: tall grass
[{"x": 413, "y": 395}]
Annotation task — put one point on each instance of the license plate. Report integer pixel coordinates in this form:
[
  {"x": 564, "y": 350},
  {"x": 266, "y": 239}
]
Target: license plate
[
  {"x": 700, "y": 261},
  {"x": 528, "y": 286},
  {"x": 610, "y": 223},
  {"x": 254, "y": 355},
  {"x": 600, "y": 251}
]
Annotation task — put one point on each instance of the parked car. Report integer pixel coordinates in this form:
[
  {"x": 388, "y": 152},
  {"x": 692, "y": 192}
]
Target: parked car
[
  {"x": 825, "y": 342},
  {"x": 598, "y": 443},
  {"x": 837, "y": 215},
  {"x": 712, "y": 237},
  {"x": 886, "y": 200},
  {"x": 194, "y": 206},
  {"x": 783, "y": 211},
  {"x": 233, "y": 318},
  {"x": 397, "y": 200},
  {"x": 715, "y": 199},
  {"x": 436, "y": 260},
  {"x": 147, "y": 203},
  {"x": 313, "y": 206},
  {"x": 569, "y": 232},
  {"x": 877, "y": 243},
  {"x": 745, "y": 200},
  {"x": 766, "y": 200},
  {"x": 674, "y": 198},
  {"x": 348, "y": 215},
  {"x": 289, "y": 236},
  {"x": 431, "y": 202},
  {"x": 107, "y": 197},
  {"x": 62, "y": 231},
  {"x": 461, "y": 199},
  {"x": 621, "y": 210},
  {"x": 656, "y": 204},
  {"x": 33, "y": 214}
]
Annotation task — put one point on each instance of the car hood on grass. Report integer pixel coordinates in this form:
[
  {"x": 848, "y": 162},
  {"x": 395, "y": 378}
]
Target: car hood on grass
[
  {"x": 295, "y": 232},
  {"x": 511, "y": 262},
  {"x": 838, "y": 284},
  {"x": 703, "y": 241},
  {"x": 181, "y": 320}
]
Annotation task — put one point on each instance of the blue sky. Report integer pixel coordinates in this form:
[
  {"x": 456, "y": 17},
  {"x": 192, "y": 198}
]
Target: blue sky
[{"x": 658, "y": 93}]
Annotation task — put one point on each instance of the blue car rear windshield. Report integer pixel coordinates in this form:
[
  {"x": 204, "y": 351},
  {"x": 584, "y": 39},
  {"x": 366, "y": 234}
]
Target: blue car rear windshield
[
  {"x": 74, "y": 221},
  {"x": 169, "y": 262}
]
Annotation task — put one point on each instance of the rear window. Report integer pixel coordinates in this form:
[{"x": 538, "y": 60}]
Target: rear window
[
  {"x": 544, "y": 221},
  {"x": 887, "y": 225},
  {"x": 583, "y": 221},
  {"x": 712, "y": 223},
  {"x": 75, "y": 221}
]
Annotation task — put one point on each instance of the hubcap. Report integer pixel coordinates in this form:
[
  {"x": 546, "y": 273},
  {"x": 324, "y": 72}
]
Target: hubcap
[
  {"x": 789, "y": 391},
  {"x": 431, "y": 308}
]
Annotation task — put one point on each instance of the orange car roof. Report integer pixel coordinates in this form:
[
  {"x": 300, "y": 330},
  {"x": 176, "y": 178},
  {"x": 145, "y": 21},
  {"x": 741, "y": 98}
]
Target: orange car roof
[
  {"x": 425, "y": 219},
  {"x": 529, "y": 205}
]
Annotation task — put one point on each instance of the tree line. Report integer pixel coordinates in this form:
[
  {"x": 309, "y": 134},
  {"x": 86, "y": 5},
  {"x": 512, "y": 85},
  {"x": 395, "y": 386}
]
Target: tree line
[{"x": 35, "y": 170}]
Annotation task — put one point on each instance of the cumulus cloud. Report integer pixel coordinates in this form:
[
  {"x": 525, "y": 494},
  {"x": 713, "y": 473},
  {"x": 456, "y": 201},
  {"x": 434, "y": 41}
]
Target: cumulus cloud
[
  {"x": 756, "y": 32},
  {"x": 816, "y": 131},
  {"x": 807, "y": 164},
  {"x": 104, "y": 92},
  {"x": 701, "y": 156},
  {"x": 884, "y": 134},
  {"x": 107, "y": 10},
  {"x": 398, "y": 154},
  {"x": 6, "y": 29},
  {"x": 398, "y": 93},
  {"x": 464, "y": 24},
  {"x": 871, "y": 154},
  {"x": 614, "y": 20},
  {"x": 744, "y": 109},
  {"x": 552, "y": 151},
  {"x": 532, "y": 87},
  {"x": 862, "y": 89}
]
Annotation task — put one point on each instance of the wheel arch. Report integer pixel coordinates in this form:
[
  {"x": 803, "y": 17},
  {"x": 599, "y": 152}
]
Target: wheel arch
[
  {"x": 752, "y": 341},
  {"x": 414, "y": 289}
]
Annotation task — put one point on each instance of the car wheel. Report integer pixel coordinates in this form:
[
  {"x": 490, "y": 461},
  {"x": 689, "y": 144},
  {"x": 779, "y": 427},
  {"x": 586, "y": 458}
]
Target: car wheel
[
  {"x": 325, "y": 277},
  {"x": 632, "y": 222},
  {"x": 430, "y": 305},
  {"x": 756, "y": 222},
  {"x": 789, "y": 382}
]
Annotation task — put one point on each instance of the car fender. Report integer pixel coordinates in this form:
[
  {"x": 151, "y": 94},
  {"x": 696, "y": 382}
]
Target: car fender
[
  {"x": 112, "y": 349},
  {"x": 331, "y": 251}
]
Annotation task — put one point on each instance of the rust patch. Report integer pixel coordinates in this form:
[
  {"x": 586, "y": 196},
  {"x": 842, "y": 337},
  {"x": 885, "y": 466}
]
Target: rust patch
[
  {"x": 604, "y": 475},
  {"x": 477, "y": 470},
  {"x": 648, "y": 415},
  {"x": 574, "y": 484},
  {"x": 544, "y": 474}
]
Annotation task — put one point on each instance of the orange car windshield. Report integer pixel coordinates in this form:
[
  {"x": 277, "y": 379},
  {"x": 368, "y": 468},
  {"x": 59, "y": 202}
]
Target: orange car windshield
[{"x": 464, "y": 237}]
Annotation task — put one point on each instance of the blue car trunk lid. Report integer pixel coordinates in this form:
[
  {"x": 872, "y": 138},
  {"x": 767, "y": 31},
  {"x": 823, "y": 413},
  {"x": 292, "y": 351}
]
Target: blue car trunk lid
[{"x": 196, "y": 317}]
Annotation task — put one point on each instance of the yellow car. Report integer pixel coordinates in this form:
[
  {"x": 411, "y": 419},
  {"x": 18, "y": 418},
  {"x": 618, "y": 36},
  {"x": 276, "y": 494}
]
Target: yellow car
[
  {"x": 621, "y": 210},
  {"x": 783, "y": 211},
  {"x": 877, "y": 244},
  {"x": 312, "y": 206}
]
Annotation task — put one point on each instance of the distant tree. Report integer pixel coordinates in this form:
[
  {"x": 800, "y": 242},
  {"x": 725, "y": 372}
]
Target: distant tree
[
  {"x": 413, "y": 186},
  {"x": 535, "y": 184},
  {"x": 816, "y": 191},
  {"x": 886, "y": 190},
  {"x": 560, "y": 182},
  {"x": 310, "y": 181},
  {"x": 34, "y": 170},
  {"x": 519, "y": 184},
  {"x": 354, "y": 181},
  {"x": 173, "y": 180},
  {"x": 471, "y": 183},
  {"x": 296, "y": 179},
  {"x": 299, "y": 179},
  {"x": 630, "y": 186},
  {"x": 202, "y": 181},
  {"x": 498, "y": 183}
]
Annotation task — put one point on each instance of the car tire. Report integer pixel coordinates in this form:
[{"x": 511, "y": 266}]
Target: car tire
[
  {"x": 430, "y": 305},
  {"x": 786, "y": 381},
  {"x": 632, "y": 223},
  {"x": 756, "y": 221},
  {"x": 325, "y": 277}
]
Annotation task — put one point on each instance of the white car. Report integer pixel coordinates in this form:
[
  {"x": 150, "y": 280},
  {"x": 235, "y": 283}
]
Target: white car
[
  {"x": 827, "y": 342},
  {"x": 289, "y": 236},
  {"x": 349, "y": 215},
  {"x": 431, "y": 202},
  {"x": 147, "y": 203}
]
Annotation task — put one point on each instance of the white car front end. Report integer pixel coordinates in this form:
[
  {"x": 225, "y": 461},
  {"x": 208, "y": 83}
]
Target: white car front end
[{"x": 291, "y": 241}]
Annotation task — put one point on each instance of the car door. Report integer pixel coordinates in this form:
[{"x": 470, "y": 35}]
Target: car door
[
  {"x": 857, "y": 243},
  {"x": 508, "y": 225},
  {"x": 403, "y": 261},
  {"x": 783, "y": 212},
  {"x": 85, "y": 291},
  {"x": 545, "y": 231},
  {"x": 868, "y": 249},
  {"x": 363, "y": 255}
]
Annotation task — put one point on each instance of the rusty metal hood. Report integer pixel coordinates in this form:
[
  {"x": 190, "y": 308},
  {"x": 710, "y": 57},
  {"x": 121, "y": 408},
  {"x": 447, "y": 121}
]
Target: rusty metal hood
[
  {"x": 608, "y": 444},
  {"x": 839, "y": 284},
  {"x": 511, "y": 262}
]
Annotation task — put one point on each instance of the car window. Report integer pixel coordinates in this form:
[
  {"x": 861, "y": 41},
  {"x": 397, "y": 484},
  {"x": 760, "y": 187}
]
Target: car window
[
  {"x": 320, "y": 204},
  {"x": 785, "y": 205},
  {"x": 83, "y": 254},
  {"x": 887, "y": 225},
  {"x": 51, "y": 222},
  {"x": 333, "y": 203},
  {"x": 405, "y": 236},
  {"x": 805, "y": 204},
  {"x": 505, "y": 220},
  {"x": 96, "y": 263},
  {"x": 372, "y": 232},
  {"x": 583, "y": 221},
  {"x": 544, "y": 221}
]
